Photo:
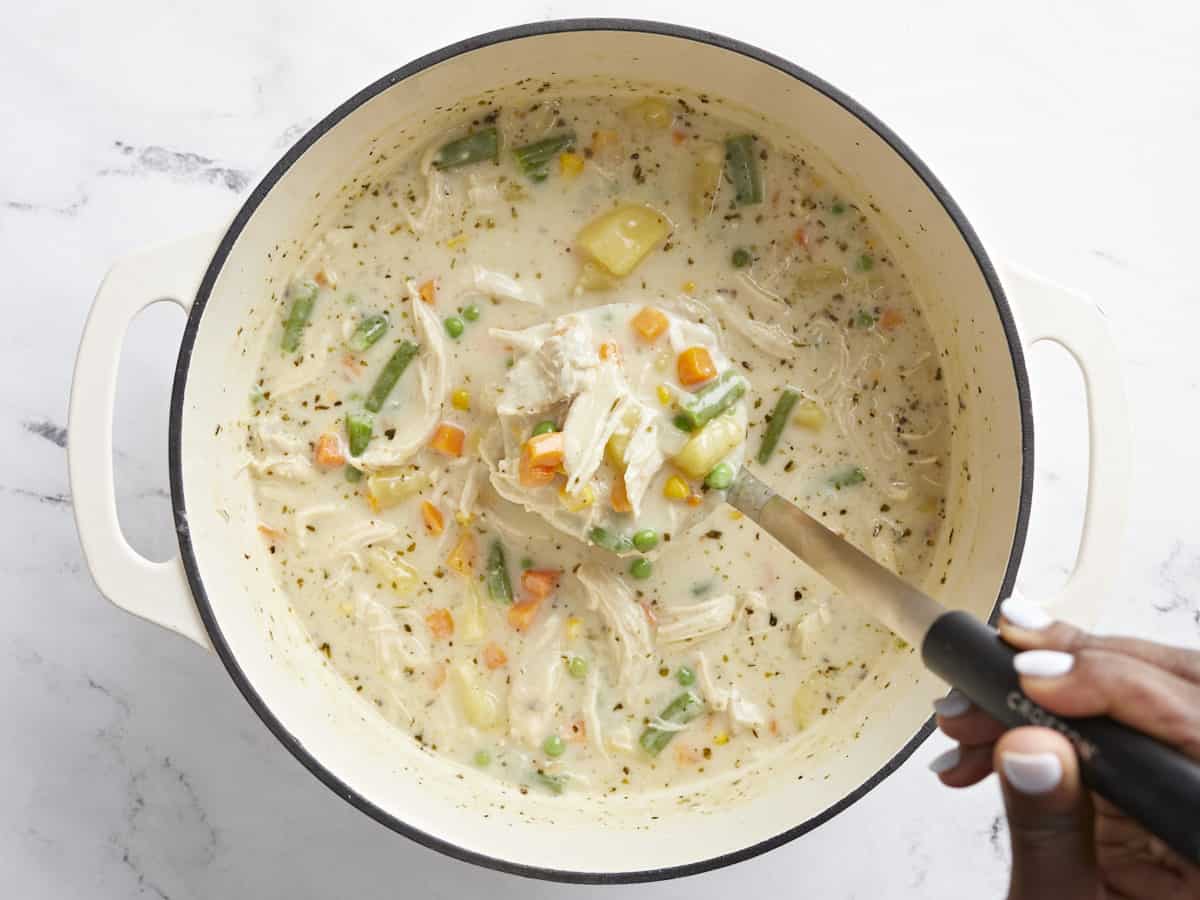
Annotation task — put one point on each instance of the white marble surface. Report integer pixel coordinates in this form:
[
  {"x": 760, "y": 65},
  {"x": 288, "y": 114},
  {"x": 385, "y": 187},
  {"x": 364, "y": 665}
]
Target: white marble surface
[{"x": 130, "y": 766}]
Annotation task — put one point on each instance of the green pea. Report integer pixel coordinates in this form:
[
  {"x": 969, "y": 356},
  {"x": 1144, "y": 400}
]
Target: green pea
[
  {"x": 838, "y": 208},
  {"x": 526, "y": 562},
  {"x": 865, "y": 263},
  {"x": 577, "y": 666},
  {"x": 741, "y": 258},
  {"x": 543, "y": 428},
  {"x": 482, "y": 758},
  {"x": 554, "y": 746},
  {"x": 685, "y": 676},
  {"x": 353, "y": 475},
  {"x": 720, "y": 478},
  {"x": 641, "y": 568},
  {"x": 645, "y": 540},
  {"x": 454, "y": 326},
  {"x": 471, "y": 313}
]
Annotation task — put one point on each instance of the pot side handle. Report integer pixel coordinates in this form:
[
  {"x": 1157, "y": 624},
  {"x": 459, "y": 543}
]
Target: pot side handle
[
  {"x": 1049, "y": 312},
  {"x": 156, "y": 591}
]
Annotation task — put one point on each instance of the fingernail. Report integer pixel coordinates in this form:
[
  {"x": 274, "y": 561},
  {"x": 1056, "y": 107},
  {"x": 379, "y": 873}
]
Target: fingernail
[
  {"x": 944, "y": 762},
  {"x": 1032, "y": 773},
  {"x": 953, "y": 704},
  {"x": 1043, "y": 663},
  {"x": 1024, "y": 614}
]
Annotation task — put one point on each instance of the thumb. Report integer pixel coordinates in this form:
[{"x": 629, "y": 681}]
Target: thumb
[{"x": 1049, "y": 817}]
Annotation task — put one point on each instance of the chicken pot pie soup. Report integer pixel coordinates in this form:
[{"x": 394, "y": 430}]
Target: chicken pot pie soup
[{"x": 514, "y": 372}]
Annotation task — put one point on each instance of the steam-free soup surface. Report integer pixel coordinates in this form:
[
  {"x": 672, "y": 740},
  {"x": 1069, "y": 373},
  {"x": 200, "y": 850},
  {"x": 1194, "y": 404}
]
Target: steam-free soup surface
[{"x": 521, "y": 359}]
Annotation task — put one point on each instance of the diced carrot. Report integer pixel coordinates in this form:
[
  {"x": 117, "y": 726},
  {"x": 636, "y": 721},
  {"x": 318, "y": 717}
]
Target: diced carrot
[
  {"x": 448, "y": 440},
  {"x": 437, "y": 677},
  {"x": 462, "y": 557},
  {"x": 648, "y": 611},
  {"x": 678, "y": 136},
  {"x": 494, "y": 656},
  {"x": 540, "y": 583},
  {"x": 328, "y": 453},
  {"x": 891, "y": 319},
  {"x": 271, "y": 534},
  {"x": 440, "y": 622},
  {"x": 649, "y": 323},
  {"x": 695, "y": 366},
  {"x": 609, "y": 350},
  {"x": 773, "y": 726},
  {"x": 428, "y": 290},
  {"x": 521, "y": 614},
  {"x": 540, "y": 458},
  {"x": 432, "y": 516},
  {"x": 620, "y": 495},
  {"x": 801, "y": 237},
  {"x": 605, "y": 137},
  {"x": 352, "y": 364},
  {"x": 694, "y": 500},
  {"x": 322, "y": 278}
]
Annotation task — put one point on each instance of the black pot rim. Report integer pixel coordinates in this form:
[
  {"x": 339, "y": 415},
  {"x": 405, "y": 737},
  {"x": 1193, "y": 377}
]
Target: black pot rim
[{"x": 187, "y": 551}]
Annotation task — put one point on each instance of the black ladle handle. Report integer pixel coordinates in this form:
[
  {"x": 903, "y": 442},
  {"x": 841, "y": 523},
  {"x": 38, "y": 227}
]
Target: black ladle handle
[{"x": 1151, "y": 782}]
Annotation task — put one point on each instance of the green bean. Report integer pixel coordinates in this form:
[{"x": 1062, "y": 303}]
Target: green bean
[
  {"x": 534, "y": 159},
  {"x": 387, "y": 378},
  {"x": 847, "y": 477},
  {"x": 779, "y": 418},
  {"x": 741, "y": 165},
  {"x": 709, "y": 402},
  {"x": 553, "y": 783},
  {"x": 496, "y": 574},
  {"x": 680, "y": 711},
  {"x": 304, "y": 297},
  {"x": 358, "y": 429},
  {"x": 477, "y": 146},
  {"x": 353, "y": 475},
  {"x": 369, "y": 330}
]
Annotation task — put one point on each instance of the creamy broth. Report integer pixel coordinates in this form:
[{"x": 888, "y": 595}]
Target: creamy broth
[{"x": 470, "y": 464}]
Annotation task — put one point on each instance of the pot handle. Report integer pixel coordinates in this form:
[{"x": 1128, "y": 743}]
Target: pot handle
[
  {"x": 156, "y": 591},
  {"x": 1049, "y": 312}
]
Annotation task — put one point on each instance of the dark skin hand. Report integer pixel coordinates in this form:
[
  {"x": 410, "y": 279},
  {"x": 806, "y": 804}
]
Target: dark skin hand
[{"x": 1068, "y": 843}]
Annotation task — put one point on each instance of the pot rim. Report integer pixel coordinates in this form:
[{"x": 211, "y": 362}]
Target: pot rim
[{"x": 187, "y": 551}]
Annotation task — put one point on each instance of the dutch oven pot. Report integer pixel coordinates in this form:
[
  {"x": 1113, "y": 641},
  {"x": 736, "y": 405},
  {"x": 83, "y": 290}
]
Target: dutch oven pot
[{"x": 221, "y": 593}]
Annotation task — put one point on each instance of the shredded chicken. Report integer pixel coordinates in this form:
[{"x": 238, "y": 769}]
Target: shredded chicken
[
  {"x": 537, "y": 674},
  {"x": 395, "y": 645},
  {"x": 740, "y": 712},
  {"x": 278, "y": 453},
  {"x": 766, "y": 337},
  {"x": 362, "y": 536},
  {"x": 697, "y": 620},
  {"x": 630, "y": 644},
  {"x": 644, "y": 455},
  {"x": 497, "y": 284},
  {"x": 591, "y": 421},
  {"x": 414, "y": 428}
]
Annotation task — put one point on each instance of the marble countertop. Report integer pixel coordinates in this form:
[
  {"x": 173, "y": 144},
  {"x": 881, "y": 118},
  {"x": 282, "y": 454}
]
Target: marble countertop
[{"x": 132, "y": 768}]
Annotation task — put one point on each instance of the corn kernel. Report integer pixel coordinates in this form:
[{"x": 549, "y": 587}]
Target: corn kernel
[
  {"x": 809, "y": 415},
  {"x": 460, "y": 399},
  {"x": 676, "y": 488},
  {"x": 575, "y": 502},
  {"x": 570, "y": 164},
  {"x": 664, "y": 394},
  {"x": 689, "y": 287},
  {"x": 457, "y": 241},
  {"x": 721, "y": 739},
  {"x": 464, "y": 518},
  {"x": 735, "y": 514},
  {"x": 574, "y": 627}
]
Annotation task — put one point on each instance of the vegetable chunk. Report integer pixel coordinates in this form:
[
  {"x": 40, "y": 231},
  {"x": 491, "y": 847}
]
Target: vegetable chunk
[{"x": 620, "y": 239}]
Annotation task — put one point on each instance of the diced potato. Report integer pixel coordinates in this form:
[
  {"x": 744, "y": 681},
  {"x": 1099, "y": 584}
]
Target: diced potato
[
  {"x": 620, "y": 239},
  {"x": 810, "y": 415},
  {"x": 707, "y": 170},
  {"x": 614, "y": 450},
  {"x": 479, "y": 705},
  {"x": 709, "y": 446},
  {"x": 389, "y": 487},
  {"x": 815, "y": 276},
  {"x": 651, "y": 112},
  {"x": 472, "y": 618},
  {"x": 809, "y": 702},
  {"x": 595, "y": 278},
  {"x": 393, "y": 571}
]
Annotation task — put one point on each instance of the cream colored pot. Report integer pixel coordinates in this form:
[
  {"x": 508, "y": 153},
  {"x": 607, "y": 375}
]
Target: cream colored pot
[{"x": 220, "y": 593}]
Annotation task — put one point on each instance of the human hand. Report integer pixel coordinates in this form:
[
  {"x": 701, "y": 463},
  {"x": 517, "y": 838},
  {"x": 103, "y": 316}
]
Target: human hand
[{"x": 1068, "y": 843}]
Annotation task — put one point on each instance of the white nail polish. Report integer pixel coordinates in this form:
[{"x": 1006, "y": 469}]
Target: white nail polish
[
  {"x": 1032, "y": 773},
  {"x": 944, "y": 762},
  {"x": 1043, "y": 663},
  {"x": 953, "y": 704},
  {"x": 1024, "y": 614}
]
